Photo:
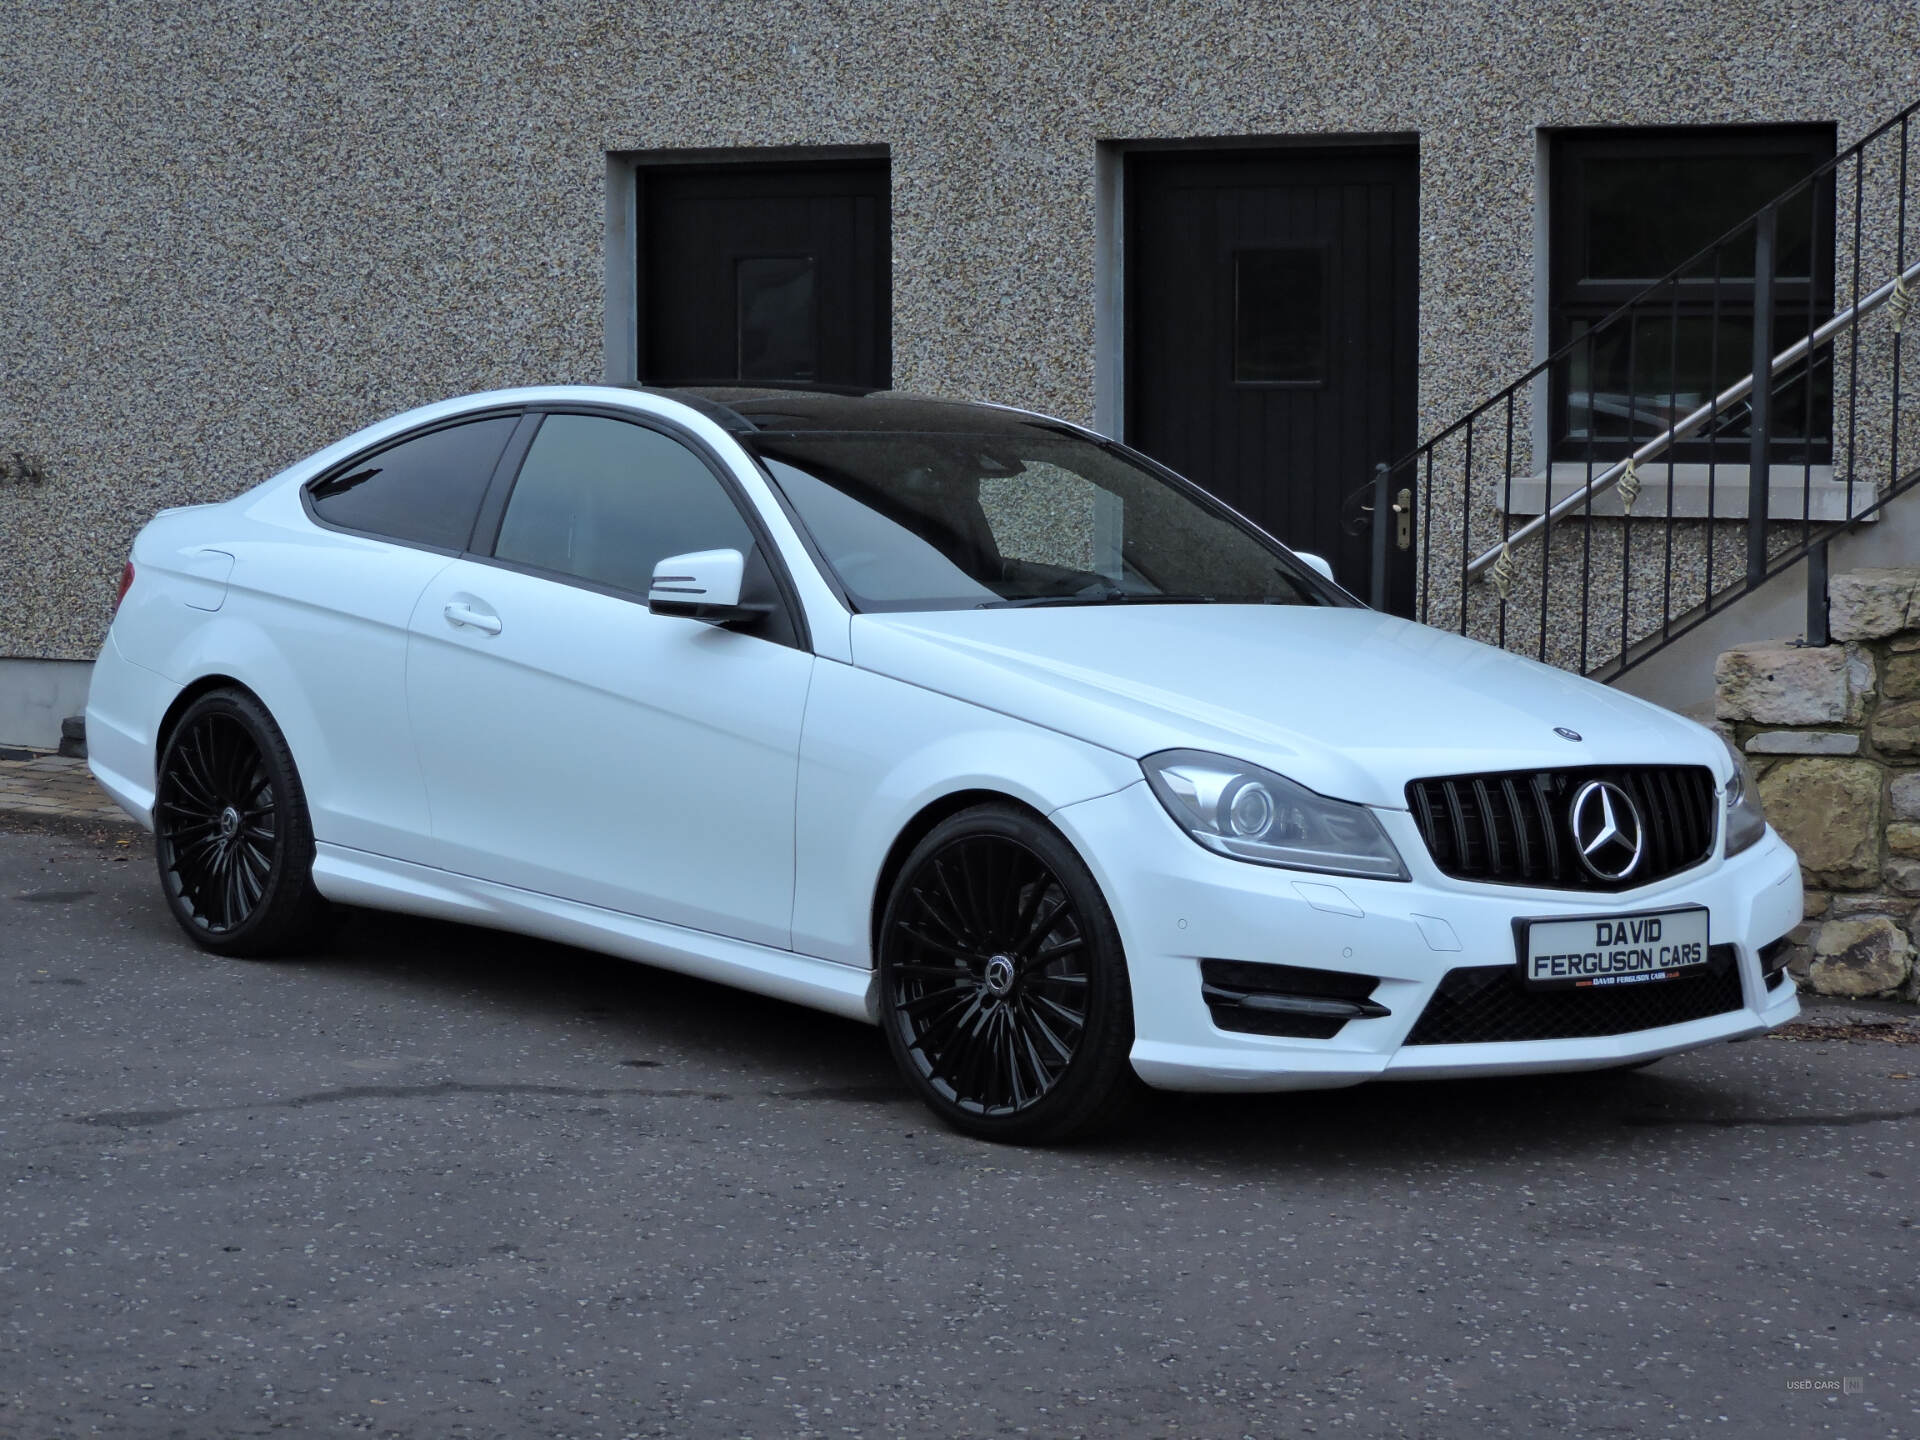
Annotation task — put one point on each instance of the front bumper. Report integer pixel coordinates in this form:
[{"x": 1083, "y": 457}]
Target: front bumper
[{"x": 1177, "y": 904}]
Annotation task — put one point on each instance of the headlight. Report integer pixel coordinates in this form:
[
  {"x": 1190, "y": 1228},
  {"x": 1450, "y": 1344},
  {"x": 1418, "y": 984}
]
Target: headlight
[
  {"x": 1745, "y": 823},
  {"x": 1253, "y": 814}
]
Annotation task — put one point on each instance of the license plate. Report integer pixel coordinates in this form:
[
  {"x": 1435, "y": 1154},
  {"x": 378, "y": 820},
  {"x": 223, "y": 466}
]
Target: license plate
[{"x": 1596, "y": 952}]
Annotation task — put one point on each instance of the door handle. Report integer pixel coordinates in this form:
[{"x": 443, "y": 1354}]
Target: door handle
[
  {"x": 459, "y": 614},
  {"x": 1403, "y": 519}
]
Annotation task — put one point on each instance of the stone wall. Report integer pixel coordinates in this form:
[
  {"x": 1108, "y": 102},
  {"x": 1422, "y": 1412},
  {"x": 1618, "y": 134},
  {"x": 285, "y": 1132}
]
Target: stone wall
[{"x": 1833, "y": 732}]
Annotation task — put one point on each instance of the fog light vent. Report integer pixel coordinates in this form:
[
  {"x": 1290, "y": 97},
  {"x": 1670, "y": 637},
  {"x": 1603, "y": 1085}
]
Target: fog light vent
[
  {"x": 1291, "y": 1000},
  {"x": 1773, "y": 961}
]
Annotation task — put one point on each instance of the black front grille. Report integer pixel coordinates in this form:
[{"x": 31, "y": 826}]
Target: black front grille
[
  {"x": 1489, "y": 1003},
  {"x": 1515, "y": 827}
]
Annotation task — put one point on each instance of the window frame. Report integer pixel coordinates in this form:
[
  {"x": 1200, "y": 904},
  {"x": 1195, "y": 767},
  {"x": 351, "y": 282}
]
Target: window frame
[
  {"x": 797, "y": 633},
  {"x": 361, "y": 457},
  {"x": 1571, "y": 299}
]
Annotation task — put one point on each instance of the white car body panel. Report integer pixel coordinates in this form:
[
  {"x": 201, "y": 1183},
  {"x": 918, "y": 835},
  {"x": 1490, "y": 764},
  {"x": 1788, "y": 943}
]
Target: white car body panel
[
  {"x": 876, "y": 753},
  {"x": 354, "y": 877},
  {"x": 1321, "y": 696},
  {"x": 632, "y": 735},
  {"x": 1179, "y": 904},
  {"x": 726, "y": 806}
]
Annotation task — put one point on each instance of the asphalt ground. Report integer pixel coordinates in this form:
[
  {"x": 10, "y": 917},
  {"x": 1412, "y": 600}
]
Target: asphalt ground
[{"x": 443, "y": 1182}]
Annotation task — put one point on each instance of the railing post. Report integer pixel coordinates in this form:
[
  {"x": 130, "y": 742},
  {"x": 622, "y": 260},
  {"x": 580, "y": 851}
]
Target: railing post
[
  {"x": 1760, "y": 403},
  {"x": 1382, "y": 518},
  {"x": 1817, "y": 595}
]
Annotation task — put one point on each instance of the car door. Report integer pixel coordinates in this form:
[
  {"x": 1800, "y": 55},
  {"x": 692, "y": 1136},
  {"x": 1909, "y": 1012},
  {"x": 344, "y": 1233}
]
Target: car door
[
  {"x": 575, "y": 744},
  {"x": 338, "y": 604}
]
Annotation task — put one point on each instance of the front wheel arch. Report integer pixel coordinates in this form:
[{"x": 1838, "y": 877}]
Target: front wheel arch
[{"x": 916, "y": 830}]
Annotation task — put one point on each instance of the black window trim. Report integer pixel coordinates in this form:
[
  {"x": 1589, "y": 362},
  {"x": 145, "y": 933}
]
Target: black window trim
[
  {"x": 1570, "y": 298},
  {"x": 432, "y": 427},
  {"x": 493, "y": 509}
]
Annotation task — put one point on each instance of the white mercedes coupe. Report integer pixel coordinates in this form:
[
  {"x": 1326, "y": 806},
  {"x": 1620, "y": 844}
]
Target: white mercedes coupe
[{"x": 952, "y": 718}]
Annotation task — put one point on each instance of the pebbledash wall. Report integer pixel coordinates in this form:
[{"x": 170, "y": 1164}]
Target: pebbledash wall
[{"x": 236, "y": 231}]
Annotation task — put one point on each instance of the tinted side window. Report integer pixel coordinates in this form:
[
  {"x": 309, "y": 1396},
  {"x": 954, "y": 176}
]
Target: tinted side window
[
  {"x": 606, "y": 501},
  {"x": 425, "y": 490}
]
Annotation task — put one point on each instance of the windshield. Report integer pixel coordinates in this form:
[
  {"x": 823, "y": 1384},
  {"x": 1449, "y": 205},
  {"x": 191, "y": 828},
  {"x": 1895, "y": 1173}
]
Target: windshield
[{"x": 912, "y": 520}]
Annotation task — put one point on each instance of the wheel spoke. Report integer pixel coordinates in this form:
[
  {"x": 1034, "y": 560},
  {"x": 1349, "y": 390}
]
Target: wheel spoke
[
  {"x": 1054, "y": 1007},
  {"x": 935, "y": 1004},
  {"x": 942, "y": 917},
  {"x": 1062, "y": 1051},
  {"x": 978, "y": 913},
  {"x": 933, "y": 972},
  {"x": 941, "y": 947}
]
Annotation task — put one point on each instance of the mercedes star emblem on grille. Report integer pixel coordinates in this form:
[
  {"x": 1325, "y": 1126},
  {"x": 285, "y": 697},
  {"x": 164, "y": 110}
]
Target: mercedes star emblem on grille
[
  {"x": 1608, "y": 830},
  {"x": 1565, "y": 734}
]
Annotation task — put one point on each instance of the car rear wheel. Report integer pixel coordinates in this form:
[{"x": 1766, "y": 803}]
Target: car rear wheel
[
  {"x": 1004, "y": 993},
  {"x": 232, "y": 834}
]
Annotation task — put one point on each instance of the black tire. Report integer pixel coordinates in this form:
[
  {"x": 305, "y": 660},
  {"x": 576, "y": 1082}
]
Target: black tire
[
  {"x": 1003, "y": 986},
  {"x": 232, "y": 835}
]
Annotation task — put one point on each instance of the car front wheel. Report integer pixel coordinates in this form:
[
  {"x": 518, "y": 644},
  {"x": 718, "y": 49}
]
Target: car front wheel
[{"x": 1004, "y": 993}]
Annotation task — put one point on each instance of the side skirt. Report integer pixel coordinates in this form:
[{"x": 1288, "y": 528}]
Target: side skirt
[{"x": 355, "y": 877}]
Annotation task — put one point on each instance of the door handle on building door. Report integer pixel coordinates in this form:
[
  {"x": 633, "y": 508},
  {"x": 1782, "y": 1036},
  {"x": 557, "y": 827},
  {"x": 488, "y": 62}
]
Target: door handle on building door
[
  {"x": 1403, "y": 520},
  {"x": 459, "y": 614}
]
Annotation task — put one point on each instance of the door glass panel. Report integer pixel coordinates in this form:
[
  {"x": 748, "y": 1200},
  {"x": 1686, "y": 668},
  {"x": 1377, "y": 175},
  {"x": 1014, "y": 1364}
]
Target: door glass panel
[
  {"x": 606, "y": 501},
  {"x": 775, "y": 296},
  {"x": 425, "y": 491},
  {"x": 1279, "y": 316}
]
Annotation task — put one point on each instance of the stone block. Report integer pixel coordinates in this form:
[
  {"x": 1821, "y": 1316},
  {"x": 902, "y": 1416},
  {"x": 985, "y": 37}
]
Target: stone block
[
  {"x": 1906, "y": 795},
  {"x": 1829, "y": 811},
  {"x": 1896, "y": 729},
  {"x": 1870, "y": 604},
  {"x": 1814, "y": 903},
  {"x": 1852, "y": 907},
  {"x": 1776, "y": 682},
  {"x": 1903, "y": 875},
  {"x": 1901, "y": 679},
  {"x": 1903, "y": 838},
  {"x": 1804, "y": 742},
  {"x": 1870, "y": 956}
]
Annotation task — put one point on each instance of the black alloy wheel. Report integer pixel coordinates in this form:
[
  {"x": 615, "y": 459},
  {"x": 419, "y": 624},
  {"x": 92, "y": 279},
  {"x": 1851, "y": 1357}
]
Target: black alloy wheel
[
  {"x": 231, "y": 831},
  {"x": 1004, "y": 991}
]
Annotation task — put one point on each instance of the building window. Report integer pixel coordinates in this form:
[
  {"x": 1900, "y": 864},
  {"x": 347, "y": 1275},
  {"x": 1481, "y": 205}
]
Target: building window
[{"x": 1629, "y": 206}]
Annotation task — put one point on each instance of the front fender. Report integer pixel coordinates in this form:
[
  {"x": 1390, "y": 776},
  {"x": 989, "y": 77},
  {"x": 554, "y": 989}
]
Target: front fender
[{"x": 874, "y": 753}]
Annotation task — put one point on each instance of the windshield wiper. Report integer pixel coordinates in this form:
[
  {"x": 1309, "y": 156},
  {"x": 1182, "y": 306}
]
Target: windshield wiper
[{"x": 1096, "y": 597}]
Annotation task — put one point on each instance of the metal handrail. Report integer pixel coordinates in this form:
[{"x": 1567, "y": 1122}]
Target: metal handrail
[{"x": 1611, "y": 477}]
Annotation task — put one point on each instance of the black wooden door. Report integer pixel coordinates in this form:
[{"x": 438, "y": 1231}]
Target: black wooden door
[
  {"x": 1270, "y": 334},
  {"x": 760, "y": 272}
]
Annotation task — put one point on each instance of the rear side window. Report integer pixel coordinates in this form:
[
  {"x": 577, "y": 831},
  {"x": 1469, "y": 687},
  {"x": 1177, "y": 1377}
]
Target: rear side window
[
  {"x": 424, "y": 491},
  {"x": 606, "y": 501}
]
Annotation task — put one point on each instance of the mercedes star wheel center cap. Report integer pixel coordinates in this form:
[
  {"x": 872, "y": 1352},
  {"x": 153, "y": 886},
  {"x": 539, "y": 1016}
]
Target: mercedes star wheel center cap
[
  {"x": 1608, "y": 830},
  {"x": 999, "y": 975},
  {"x": 229, "y": 823}
]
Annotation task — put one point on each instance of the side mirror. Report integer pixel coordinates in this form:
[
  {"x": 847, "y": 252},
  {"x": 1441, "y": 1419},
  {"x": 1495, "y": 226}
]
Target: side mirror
[
  {"x": 704, "y": 585},
  {"x": 1316, "y": 564}
]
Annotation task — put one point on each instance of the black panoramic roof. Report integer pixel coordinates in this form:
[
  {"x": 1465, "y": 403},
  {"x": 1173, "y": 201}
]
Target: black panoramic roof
[{"x": 746, "y": 410}]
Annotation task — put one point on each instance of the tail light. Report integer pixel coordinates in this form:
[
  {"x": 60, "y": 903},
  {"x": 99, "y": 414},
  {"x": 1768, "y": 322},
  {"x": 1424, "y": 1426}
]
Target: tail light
[{"x": 126, "y": 584}]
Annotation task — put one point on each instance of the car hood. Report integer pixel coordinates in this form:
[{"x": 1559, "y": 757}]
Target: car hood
[{"x": 1348, "y": 702}]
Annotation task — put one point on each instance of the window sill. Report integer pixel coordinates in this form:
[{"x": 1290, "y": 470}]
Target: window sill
[{"x": 1791, "y": 492}]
